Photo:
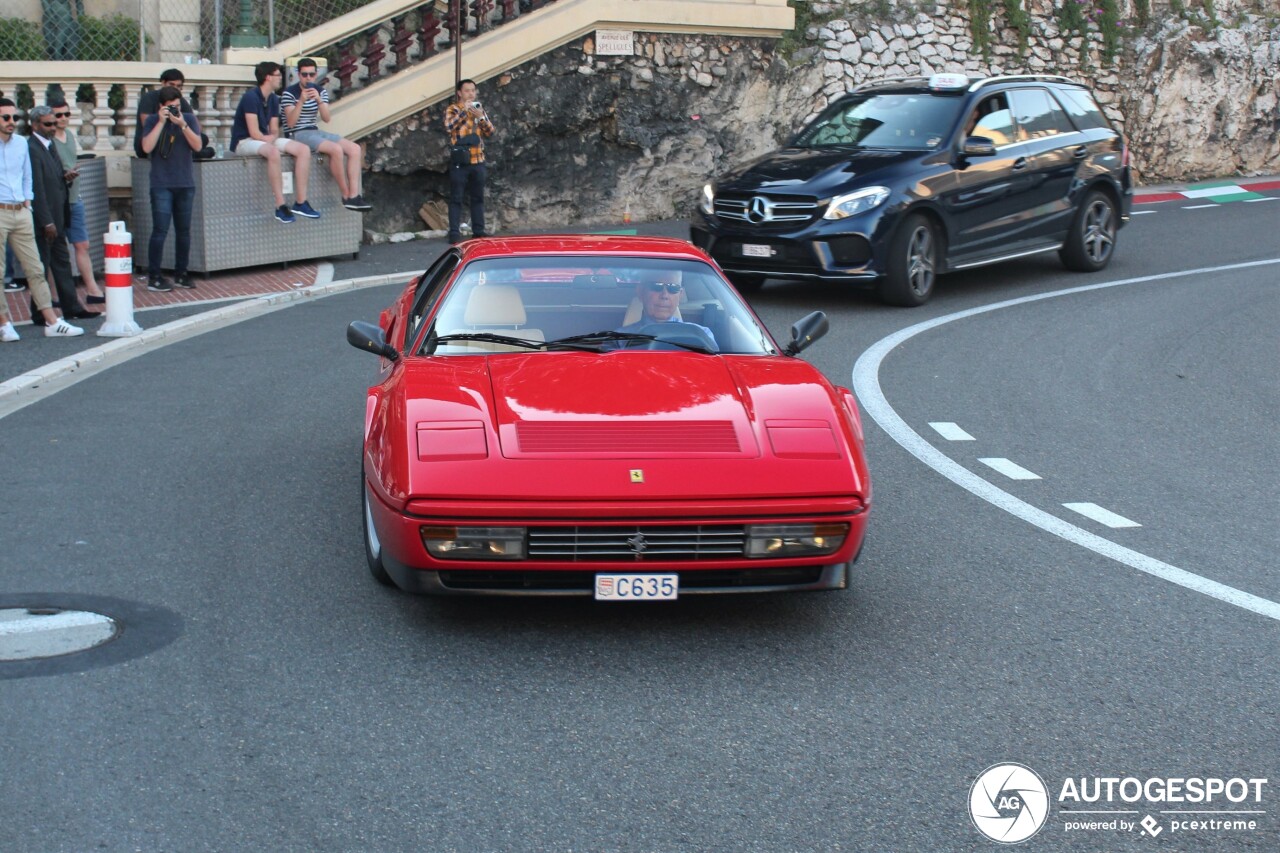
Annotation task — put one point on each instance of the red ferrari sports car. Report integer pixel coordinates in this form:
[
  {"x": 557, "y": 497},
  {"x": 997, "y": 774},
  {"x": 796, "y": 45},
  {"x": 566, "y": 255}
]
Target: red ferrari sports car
[{"x": 602, "y": 416}]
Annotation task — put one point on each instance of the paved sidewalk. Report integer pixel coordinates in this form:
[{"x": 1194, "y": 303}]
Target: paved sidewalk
[{"x": 230, "y": 284}]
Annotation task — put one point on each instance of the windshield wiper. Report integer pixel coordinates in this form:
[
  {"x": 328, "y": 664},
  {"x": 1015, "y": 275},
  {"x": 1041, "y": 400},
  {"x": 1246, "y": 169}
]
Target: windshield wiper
[
  {"x": 488, "y": 337},
  {"x": 602, "y": 337},
  {"x": 608, "y": 336}
]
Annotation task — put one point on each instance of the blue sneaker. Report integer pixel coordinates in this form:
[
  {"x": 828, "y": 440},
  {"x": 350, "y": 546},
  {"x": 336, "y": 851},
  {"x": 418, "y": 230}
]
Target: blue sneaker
[
  {"x": 303, "y": 208},
  {"x": 283, "y": 214}
]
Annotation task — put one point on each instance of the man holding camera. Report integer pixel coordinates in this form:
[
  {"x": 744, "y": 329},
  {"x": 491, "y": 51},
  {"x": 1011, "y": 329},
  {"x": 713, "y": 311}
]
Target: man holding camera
[
  {"x": 468, "y": 126},
  {"x": 302, "y": 106},
  {"x": 170, "y": 137}
]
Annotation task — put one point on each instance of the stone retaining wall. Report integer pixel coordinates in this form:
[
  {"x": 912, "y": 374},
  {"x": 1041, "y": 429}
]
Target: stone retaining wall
[{"x": 590, "y": 139}]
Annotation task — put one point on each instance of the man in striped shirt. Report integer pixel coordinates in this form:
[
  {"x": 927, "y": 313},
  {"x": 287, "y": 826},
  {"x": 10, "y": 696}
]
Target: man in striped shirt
[
  {"x": 468, "y": 126},
  {"x": 302, "y": 106}
]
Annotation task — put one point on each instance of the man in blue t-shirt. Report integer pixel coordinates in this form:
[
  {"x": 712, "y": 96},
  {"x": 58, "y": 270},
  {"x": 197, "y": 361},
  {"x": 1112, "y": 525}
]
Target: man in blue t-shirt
[
  {"x": 255, "y": 131},
  {"x": 302, "y": 107},
  {"x": 169, "y": 138}
]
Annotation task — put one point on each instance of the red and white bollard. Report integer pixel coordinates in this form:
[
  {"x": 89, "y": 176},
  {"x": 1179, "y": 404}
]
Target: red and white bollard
[{"x": 118, "y": 266}]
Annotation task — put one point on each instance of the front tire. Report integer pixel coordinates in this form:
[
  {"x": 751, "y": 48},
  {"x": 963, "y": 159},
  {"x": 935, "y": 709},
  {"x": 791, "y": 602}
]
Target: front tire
[
  {"x": 912, "y": 267},
  {"x": 372, "y": 546},
  {"x": 1092, "y": 238}
]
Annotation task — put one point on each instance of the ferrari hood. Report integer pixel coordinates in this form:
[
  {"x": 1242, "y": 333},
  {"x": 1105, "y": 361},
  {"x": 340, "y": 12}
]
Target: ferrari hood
[
  {"x": 623, "y": 406},
  {"x": 626, "y": 426}
]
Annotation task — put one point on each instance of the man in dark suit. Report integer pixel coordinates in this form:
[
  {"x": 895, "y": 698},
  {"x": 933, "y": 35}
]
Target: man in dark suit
[{"x": 51, "y": 211}]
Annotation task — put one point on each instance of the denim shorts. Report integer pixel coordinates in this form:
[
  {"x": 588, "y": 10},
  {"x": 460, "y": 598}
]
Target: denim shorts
[
  {"x": 312, "y": 137},
  {"x": 77, "y": 231}
]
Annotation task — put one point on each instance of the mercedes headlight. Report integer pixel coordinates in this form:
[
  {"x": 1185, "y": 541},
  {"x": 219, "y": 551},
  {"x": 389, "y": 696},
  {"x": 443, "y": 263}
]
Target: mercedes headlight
[
  {"x": 851, "y": 204},
  {"x": 707, "y": 204}
]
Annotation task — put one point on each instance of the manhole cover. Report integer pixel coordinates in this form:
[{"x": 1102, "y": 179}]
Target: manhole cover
[{"x": 27, "y": 633}]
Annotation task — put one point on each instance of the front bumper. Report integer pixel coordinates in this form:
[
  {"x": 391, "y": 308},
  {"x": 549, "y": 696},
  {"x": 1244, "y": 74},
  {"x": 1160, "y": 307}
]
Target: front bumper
[
  {"x": 847, "y": 250},
  {"x": 415, "y": 570}
]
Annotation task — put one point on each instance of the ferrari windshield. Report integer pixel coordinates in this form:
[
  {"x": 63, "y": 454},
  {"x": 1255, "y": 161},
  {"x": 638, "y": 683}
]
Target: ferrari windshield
[
  {"x": 900, "y": 121},
  {"x": 591, "y": 303}
]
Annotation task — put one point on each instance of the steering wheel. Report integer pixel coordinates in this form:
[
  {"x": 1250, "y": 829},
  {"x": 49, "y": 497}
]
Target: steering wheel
[{"x": 671, "y": 333}]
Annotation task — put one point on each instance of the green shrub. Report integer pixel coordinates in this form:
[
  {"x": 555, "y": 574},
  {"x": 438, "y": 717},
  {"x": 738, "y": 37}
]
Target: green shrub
[
  {"x": 110, "y": 39},
  {"x": 20, "y": 41}
]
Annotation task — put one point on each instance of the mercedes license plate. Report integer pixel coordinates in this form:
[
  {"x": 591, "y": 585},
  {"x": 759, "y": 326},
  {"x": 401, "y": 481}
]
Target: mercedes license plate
[
  {"x": 637, "y": 587},
  {"x": 756, "y": 250}
]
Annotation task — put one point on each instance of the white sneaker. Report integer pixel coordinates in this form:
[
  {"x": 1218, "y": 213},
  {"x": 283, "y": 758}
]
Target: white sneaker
[
  {"x": 62, "y": 329},
  {"x": 8, "y": 334}
]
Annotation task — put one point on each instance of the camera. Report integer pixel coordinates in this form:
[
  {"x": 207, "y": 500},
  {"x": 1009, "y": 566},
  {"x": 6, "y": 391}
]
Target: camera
[
  {"x": 475, "y": 105},
  {"x": 171, "y": 110}
]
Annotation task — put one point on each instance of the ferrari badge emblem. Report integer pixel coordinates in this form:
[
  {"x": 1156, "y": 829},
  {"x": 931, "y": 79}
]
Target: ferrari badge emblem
[{"x": 637, "y": 475}]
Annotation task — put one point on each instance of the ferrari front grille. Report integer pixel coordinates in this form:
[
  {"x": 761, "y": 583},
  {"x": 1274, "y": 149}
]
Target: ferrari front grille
[{"x": 635, "y": 543}]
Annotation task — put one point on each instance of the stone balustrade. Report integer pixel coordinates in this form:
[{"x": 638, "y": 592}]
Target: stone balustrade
[{"x": 213, "y": 90}]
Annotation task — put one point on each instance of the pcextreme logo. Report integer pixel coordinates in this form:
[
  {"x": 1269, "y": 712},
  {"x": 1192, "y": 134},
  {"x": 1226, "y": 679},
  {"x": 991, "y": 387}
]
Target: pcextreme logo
[{"x": 1009, "y": 803}]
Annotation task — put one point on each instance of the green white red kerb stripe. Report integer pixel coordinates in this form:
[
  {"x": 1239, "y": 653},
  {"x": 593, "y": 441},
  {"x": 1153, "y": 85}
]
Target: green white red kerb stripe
[{"x": 1216, "y": 192}]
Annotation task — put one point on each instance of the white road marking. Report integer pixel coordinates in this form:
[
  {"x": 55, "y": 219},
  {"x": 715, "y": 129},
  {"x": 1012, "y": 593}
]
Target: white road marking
[
  {"x": 866, "y": 384},
  {"x": 1140, "y": 212},
  {"x": 1198, "y": 206},
  {"x": 1012, "y": 470},
  {"x": 1213, "y": 192},
  {"x": 950, "y": 431},
  {"x": 1101, "y": 515},
  {"x": 1264, "y": 198}
]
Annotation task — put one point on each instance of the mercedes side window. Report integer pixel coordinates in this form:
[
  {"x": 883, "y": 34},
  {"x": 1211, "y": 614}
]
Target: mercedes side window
[
  {"x": 1038, "y": 115},
  {"x": 991, "y": 118},
  {"x": 1084, "y": 111},
  {"x": 430, "y": 286}
]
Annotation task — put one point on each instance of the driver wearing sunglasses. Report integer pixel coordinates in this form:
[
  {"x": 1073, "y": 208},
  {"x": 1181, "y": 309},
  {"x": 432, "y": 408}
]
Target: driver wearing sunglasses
[{"x": 660, "y": 293}]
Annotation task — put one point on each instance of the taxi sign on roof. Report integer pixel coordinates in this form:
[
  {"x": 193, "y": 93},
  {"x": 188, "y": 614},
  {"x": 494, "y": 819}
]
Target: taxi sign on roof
[{"x": 948, "y": 81}]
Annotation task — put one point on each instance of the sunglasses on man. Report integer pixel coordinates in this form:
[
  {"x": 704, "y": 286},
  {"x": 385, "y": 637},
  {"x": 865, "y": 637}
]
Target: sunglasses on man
[
  {"x": 62, "y": 115},
  {"x": 9, "y": 117},
  {"x": 306, "y": 73},
  {"x": 659, "y": 286}
]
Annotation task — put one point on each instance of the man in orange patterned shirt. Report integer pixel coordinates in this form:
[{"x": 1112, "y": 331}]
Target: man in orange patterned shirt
[{"x": 468, "y": 126}]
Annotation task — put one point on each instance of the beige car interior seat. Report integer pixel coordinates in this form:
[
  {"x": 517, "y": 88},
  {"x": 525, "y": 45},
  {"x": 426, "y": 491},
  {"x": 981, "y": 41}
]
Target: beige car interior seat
[{"x": 495, "y": 308}]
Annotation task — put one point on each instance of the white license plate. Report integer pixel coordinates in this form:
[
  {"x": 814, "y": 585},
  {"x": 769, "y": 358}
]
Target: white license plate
[
  {"x": 637, "y": 587},
  {"x": 755, "y": 250}
]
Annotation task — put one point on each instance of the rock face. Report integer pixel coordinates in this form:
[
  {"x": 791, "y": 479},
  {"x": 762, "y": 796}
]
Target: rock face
[
  {"x": 587, "y": 139},
  {"x": 1209, "y": 106}
]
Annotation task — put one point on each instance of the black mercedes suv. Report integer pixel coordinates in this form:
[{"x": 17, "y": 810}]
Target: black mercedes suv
[{"x": 904, "y": 179}]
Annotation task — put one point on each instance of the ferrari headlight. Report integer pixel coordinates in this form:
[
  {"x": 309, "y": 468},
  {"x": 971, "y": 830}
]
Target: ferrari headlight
[
  {"x": 851, "y": 204},
  {"x": 795, "y": 540},
  {"x": 474, "y": 543},
  {"x": 707, "y": 204}
]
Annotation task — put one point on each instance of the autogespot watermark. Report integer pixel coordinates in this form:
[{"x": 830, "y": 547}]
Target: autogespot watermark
[{"x": 1009, "y": 803}]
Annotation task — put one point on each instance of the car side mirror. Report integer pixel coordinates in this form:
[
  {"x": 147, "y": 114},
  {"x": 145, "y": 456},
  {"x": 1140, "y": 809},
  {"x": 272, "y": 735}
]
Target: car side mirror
[
  {"x": 979, "y": 146},
  {"x": 369, "y": 338},
  {"x": 806, "y": 331}
]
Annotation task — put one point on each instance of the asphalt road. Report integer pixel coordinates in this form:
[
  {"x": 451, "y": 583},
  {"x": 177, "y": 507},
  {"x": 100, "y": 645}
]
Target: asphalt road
[{"x": 265, "y": 694}]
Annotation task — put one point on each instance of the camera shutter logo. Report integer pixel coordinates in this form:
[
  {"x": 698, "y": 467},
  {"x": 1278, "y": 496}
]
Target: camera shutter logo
[{"x": 1008, "y": 803}]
